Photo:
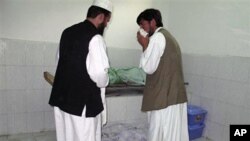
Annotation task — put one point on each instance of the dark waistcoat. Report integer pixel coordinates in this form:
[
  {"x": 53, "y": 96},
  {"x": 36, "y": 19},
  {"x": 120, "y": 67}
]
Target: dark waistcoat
[
  {"x": 73, "y": 89},
  {"x": 165, "y": 86}
]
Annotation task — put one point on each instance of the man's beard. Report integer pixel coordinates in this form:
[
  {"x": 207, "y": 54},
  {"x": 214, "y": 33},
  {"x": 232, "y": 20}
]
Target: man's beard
[
  {"x": 101, "y": 28},
  {"x": 150, "y": 32}
]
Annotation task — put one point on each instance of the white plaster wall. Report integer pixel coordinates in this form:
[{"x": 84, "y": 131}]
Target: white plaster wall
[
  {"x": 1, "y": 20},
  {"x": 44, "y": 20},
  {"x": 214, "y": 27},
  {"x": 40, "y": 20},
  {"x": 122, "y": 30}
]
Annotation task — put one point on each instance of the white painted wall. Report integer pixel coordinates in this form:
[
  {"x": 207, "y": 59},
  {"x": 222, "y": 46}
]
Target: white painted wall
[
  {"x": 1, "y": 20},
  {"x": 44, "y": 20},
  {"x": 40, "y": 20},
  {"x": 214, "y": 27}
]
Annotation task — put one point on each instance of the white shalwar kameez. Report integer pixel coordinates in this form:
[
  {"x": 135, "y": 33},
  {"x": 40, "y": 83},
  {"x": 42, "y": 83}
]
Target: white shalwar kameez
[
  {"x": 168, "y": 124},
  {"x": 74, "y": 128}
]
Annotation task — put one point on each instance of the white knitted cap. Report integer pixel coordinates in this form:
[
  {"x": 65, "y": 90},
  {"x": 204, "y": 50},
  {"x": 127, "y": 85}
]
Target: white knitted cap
[{"x": 105, "y": 4}]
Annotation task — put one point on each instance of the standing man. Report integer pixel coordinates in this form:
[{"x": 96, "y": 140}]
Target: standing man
[
  {"x": 164, "y": 97},
  {"x": 78, "y": 92}
]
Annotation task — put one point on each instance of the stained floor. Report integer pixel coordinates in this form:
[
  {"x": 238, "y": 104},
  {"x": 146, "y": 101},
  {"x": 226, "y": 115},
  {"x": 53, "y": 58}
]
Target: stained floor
[
  {"x": 43, "y": 136},
  {"x": 111, "y": 132}
]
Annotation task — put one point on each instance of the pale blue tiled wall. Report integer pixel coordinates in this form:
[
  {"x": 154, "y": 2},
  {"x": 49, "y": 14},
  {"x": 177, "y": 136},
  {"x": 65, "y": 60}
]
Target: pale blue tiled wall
[
  {"x": 123, "y": 57},
  {"x": 24, "y": 93},
  {"x": 125, "y": 109},
  {"x": 219, "y": 84}
]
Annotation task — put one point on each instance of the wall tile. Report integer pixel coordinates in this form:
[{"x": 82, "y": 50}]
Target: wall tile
[
  {"x": 36, "y": 121},
  {"x": 22, "y": 137},
  {"x": 15, "y": 52},
  {"x": 224, "y": 68},
  {"x": 245, "y": 116},
  {"x": 246, "y": 100},
  {"x": 222, "y": 89},
  {"x": 50, "y": 54},
  {"x": 3, "y": 138},
  {"x": 233, "y": 114},
  {"x": 133, "y": 107},
  {"x": 189, "y": 97},
  {"x": 17, "y": 123},
  {"x": 3, "y": 102},
  {"x": 34, "y": 77},
  {"x": 187, "y": 78},
  {"x": 195, "y": 84},
  {"x": 117, "y": 54},
  {"x": 46, "y": 96},
  {"x": 49, "y": 121},
  {"x": 232, "y": 92},
  {"x": 229, "y": 68},
  {"x": 116, "y": 108},
  {"x": 247, "y": 96},
  {"x": 2, "y": 52},
  {"x": 208, "y": 65},
  {"x": 241, "y": 65},
  {"x": 226, "y": 133},
  {"x": 3, "y": 124},
  {"x": 15, "y": 77},
  {"x": 209, "y": 89},
  {"x": 238, "y": 93},
  {"x": 187, "y": 63},
  {"x": 195, "y": 100},
  {"x": 218, "y": 113},
  {"x": 215, "y": 131},
  {"x": 2, "y": 77},
  {"x": 196, "y": 65},
  {"x": 35, "y": 101},
  {"x": 207, "y": 104},
  {"x": 219, "y": 84},
  {"x": 16, "y": 101},
  {"x": 34, "y": 54}
]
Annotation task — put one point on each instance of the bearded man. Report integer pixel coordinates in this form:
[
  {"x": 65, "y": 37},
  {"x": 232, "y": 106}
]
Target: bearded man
[{"x": 78, "y": 92}]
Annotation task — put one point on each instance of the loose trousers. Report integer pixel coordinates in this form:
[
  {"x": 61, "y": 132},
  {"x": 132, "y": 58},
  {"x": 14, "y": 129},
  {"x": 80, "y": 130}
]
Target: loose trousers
[
  {"x": 74, "y": 128},
  {"x": 169, "y": 124}
]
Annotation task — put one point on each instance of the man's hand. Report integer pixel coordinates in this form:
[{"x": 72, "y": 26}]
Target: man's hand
[{"x": 143, "y": 41}]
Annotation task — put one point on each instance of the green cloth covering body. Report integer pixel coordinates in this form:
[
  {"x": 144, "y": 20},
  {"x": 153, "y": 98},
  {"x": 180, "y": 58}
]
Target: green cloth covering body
[{"x": 129, "y": 76}]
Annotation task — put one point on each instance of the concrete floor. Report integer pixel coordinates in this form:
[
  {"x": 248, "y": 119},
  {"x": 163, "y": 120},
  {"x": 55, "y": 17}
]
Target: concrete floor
[
  {"x": 44, "y": 136},
  {"x": 41, "y": 136}
]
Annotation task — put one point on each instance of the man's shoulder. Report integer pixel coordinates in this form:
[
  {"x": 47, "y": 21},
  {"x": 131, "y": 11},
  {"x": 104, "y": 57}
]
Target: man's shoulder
[
  {"x": 72, "y": 29},
  {"x": 162, "y": 29},
  {"x": 74, "y": 26}
]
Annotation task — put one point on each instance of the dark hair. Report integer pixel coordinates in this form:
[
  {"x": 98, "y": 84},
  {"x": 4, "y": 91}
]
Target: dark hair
[
  {"x": 150, "y": 14},
  {"x": 93, "y": 11}
]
